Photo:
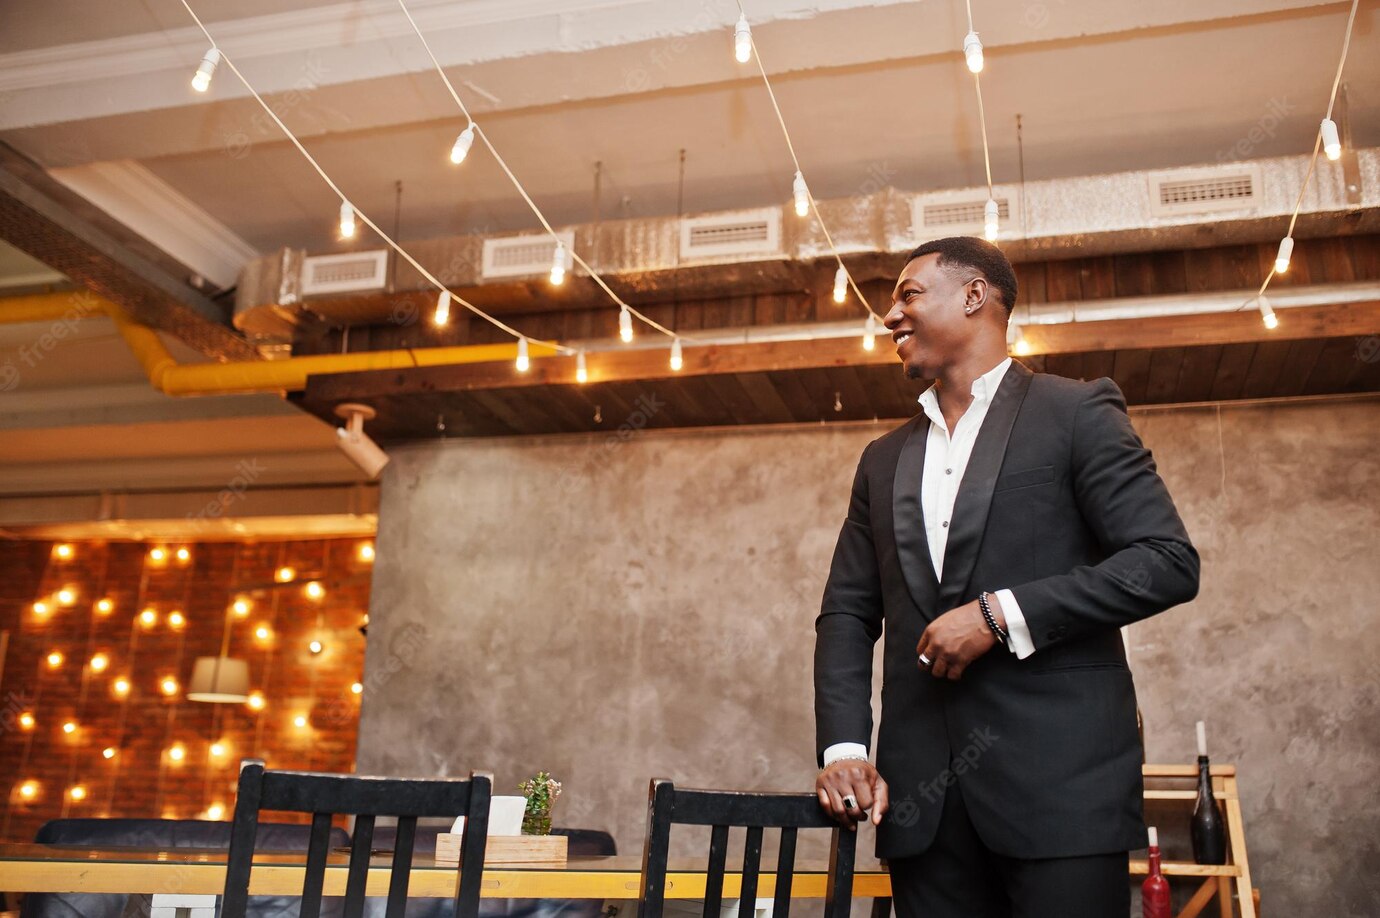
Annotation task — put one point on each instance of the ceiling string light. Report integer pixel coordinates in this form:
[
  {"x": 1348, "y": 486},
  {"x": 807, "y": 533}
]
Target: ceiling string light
[
  {"x": 1326, "y": 140},
  {"x": 804, "y": 200},
  {"x": 557, "y": 276},
  {"x": 972, "y": 52},
  {"x": 345, "y": 204}
]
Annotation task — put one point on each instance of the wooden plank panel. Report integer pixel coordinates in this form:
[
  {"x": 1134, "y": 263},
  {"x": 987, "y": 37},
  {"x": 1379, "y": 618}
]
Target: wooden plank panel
[
  {"x": 1265, "y": 368},
  {"x": 1063, "y": 281},
  {"x": 764, "y": 395},
  {"x": 1334, "y": 366},
  {"x": 856, "y": 403},
  {"x": 1298, "y": 364},
  {"x": 1069, "y": 366},
  {"x": 1163, "y": 383},
  {"x": 1132, "y": 373},
  {"x": 1198, "y": 373},
  {"x": 1231, "y": 371},
  {"x": 735, "y": 398},
  {"x": 711, "y": 407},
  {"x": 788, "y": 386},
  {"x": 1097, "y": 278}
]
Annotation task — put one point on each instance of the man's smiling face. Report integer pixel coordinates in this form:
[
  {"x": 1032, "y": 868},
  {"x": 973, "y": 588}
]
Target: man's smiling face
[{"x": 927, "y": 322}]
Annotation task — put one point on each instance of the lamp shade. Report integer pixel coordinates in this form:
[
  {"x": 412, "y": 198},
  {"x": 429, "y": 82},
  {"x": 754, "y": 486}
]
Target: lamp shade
[{"x": 223, "y": 680}]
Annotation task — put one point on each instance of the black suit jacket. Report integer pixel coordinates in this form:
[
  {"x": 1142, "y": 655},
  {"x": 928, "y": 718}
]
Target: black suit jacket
[{"x": 1061, "y": 504}]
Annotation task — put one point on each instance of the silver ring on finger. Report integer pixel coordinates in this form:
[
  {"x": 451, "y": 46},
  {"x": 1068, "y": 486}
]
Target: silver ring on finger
[
  {"x": 924, "y": 660},
  {"x": 850, "y": 802}
]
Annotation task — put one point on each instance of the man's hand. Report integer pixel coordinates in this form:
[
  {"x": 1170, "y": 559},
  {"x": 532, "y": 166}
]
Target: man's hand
[
  {"x": 957, "y": 638},
  {"x": 858, "y": 779}
]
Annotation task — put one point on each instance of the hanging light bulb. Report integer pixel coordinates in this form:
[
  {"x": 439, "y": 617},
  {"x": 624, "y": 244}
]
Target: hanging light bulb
[
  {"x": 120, "y": 687},
  {"x": 105, "y": 606},
  {"x": 357, "y": 688},
  {"x": 158, "y": 555},
  {"x": 108, "y": 752},
  {"x": 177, "y": 753},
  {"x": 215, "y": 811},
  {"x": 66, "y": 596},
  {"x": 347, "y": 220},
  {"x": 442, "y": 314},
  {"x": 99, "y": 662},
  {"x": 461, "y": 149},
  {"x": 742, "y": 40},
  {"x": 522, "y": 362},
  {"x": 581, "y": 371},
  {"x": 201, "y": 80},
  {"x": 1286, "y": 251},
  {"x": 148, "y": 618},
  {"x": 168, "y": 686},
  {"x": 64, "y": 551},
  {"x": 1015, "y": 339},
  {"x": 26, "y": 721},
  {"x": 677, "y": 357},
  {"x": 558, "y": 259},
  {"x": 77, "y": 792},
  {"x": 263, "y": 633},
  {"x": 1332, "y": 144},
  {"x": 840, "y": 285},
  {"x": 41, "y": 609},
  {"x": 801, "y": 193},
  {"x": 625, "y": 331},
  {"x": 217, "y": 749},
  {"x": 366, "y": 551},
  {"x": 176, "y": 620},
  {"x": 284, "y": 574},
  {"x": 55, "y": 659},
  {"x": 28, "y": 790},
  {"x": 184, "y": 555},
  {"x": 316, "y": 647},
  {"x": 241, "y": 607},
  {"x": 1267, "y": 312},
  {"x": 300, "y": 721},
  {"x": 69, "y": 728},
  {"x": 991, "y": 215},
  {"x": 256, "y": 701},
  {"x": 972, "y": 50},
  {"x": 870, "y": 332},
  {"x": 314, "y": 590}
]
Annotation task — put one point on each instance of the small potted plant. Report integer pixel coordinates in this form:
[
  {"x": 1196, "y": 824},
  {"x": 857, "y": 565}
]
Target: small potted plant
[{"x": 541, "y": 792}]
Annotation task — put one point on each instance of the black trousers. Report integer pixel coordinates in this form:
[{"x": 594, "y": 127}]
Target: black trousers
[{"x": 959, "y": 878}]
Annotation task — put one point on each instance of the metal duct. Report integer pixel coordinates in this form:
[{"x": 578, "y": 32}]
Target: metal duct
[{"x": 767, "y": 250}]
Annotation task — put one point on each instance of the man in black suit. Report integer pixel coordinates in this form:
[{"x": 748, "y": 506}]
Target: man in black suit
[{"x": 999, "y": 540}]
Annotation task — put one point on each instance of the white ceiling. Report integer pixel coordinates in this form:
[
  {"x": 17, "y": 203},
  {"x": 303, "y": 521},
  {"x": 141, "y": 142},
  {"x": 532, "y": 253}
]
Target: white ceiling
[{"x": 875, "y": 94}]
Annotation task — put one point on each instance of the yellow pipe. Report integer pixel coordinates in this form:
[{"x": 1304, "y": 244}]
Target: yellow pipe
[{"x": 240, "y": 377}]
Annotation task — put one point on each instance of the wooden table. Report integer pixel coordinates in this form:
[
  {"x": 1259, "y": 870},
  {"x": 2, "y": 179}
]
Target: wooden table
[{"x": 49, "y": 868}]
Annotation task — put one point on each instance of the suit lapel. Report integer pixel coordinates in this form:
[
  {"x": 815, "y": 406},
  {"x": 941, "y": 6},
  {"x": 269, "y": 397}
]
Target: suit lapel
[
  {"x": 974, "y": 498},
  {"x": 912, "y": 547}
]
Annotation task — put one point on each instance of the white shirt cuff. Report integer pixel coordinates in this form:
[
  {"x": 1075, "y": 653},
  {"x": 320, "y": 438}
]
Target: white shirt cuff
[
  {"x": 839, "y": 750},
  {"x": 1017, "y": 631}
]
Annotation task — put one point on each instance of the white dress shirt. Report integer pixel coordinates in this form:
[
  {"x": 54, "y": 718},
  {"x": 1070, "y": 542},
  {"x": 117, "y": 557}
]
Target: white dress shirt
[{"x": 946, "y": 459}]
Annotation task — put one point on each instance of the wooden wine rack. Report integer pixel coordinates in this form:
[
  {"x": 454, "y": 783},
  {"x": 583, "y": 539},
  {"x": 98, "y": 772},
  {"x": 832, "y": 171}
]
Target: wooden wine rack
[{"x": 1217, "y": 880}]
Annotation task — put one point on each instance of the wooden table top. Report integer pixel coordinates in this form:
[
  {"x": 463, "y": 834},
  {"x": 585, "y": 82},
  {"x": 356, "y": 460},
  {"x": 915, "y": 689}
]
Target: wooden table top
[{"x": 54, "y": 868}]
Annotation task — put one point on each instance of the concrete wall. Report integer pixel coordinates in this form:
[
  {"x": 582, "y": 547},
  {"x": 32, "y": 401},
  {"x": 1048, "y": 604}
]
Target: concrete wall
[{"x": 613, "y": 608}]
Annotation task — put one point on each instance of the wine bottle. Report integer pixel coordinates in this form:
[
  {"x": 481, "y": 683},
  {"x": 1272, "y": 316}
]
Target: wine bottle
[
  {"x": 1154, "y": 892},
  {"x": 1209, "y": 829}
]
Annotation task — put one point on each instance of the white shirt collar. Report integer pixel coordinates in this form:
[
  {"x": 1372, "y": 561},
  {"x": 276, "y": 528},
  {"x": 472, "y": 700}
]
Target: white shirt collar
[{"x": 984, "y": 387}]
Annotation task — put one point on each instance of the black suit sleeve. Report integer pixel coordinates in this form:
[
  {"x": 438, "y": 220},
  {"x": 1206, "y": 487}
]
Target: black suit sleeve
[
  {"x": 849, "y": 623},
  {"x": 1150, "y": 564}
]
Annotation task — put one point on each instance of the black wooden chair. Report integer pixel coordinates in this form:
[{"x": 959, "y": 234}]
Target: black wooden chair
[
  {"x": 755, "y": 812},
  {"x": 365, "y": 798}
]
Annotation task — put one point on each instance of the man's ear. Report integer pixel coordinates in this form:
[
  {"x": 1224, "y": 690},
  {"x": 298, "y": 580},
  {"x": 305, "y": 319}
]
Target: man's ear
[{"x": 975, "y": 295}]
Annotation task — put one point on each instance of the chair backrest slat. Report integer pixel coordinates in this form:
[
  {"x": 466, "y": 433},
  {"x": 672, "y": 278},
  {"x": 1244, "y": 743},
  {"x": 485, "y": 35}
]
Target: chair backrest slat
[
  {"x": 365, "y": 798},
  {"x": 402, "y": 867},
  {"x": 355, "y": 883},
  {"x": 838, "y": 895},
  {"x": 714, "y": 873},
  {"x": 785, "y": 874},
  {"x": 752, "y": 866},
  {"x": 756, "y": 812}
]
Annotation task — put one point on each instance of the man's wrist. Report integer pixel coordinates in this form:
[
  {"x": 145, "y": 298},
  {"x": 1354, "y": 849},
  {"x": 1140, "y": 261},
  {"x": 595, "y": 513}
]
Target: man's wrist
[{"x": 841, "y": 751}]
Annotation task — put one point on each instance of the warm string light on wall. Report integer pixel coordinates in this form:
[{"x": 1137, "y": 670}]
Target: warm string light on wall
[
  {"x": 745, "y": 50},
  {"x": 1329, "y": 142},
  {"x": 562, "y": 257},
  {"x": 348, "y": 211}
]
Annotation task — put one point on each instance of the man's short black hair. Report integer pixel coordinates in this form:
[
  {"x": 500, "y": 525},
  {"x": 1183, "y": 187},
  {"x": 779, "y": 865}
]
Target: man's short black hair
[{"x": 974, "y": 254}]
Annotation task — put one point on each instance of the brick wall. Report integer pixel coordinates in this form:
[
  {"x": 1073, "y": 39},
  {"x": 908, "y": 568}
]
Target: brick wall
[{"x": 310, "y": 711}]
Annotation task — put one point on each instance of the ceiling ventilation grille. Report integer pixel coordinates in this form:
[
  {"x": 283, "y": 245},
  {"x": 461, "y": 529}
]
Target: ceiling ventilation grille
[
  {"x": 522, "y": 256},
  {"x": 1203, "y": 191},
  {"x": 348, "y": 273},
  {"x": 961, "y": 214},
  {"x": 742, "y": 233}
]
